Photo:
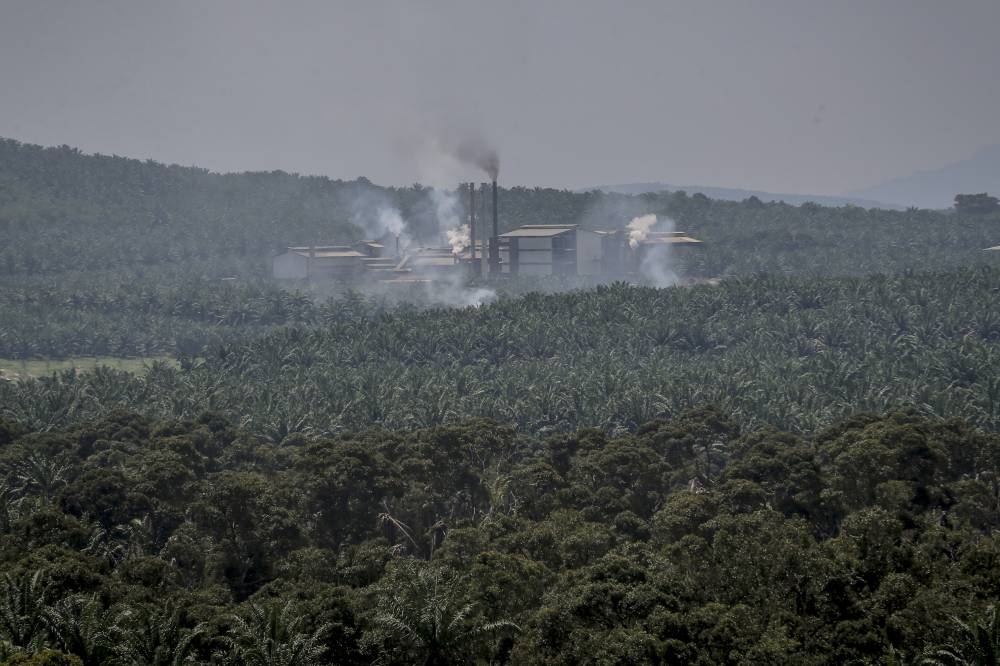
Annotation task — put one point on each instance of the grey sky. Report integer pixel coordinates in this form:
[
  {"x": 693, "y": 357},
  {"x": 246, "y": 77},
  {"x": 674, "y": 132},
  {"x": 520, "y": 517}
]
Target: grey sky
[{"x": 817, "y": 97}]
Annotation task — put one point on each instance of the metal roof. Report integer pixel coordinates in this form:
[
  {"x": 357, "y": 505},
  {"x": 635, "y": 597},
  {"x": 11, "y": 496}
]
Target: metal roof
[
  {"x": 539, "y": 231},
  {"x": 306, "y": 248},
  {"x": 432, "y": 262},
  {"x": 671, "y": 240},
  {"x": 330, "y": 254}
]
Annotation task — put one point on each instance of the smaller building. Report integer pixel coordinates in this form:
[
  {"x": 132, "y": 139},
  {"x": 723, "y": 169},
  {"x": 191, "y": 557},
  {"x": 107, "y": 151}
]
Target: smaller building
[
  {"x": 551, "y": 249},
  {"x": 318, "y": 262},
  {"x": 622, "y": 257},
  {"x": 429, "y": 261},
  {"x": 331, "y": 262}
]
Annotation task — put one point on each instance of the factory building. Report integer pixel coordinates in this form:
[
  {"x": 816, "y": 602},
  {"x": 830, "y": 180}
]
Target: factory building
[
  {"x": 330, "y": 262},
  {"x": 623, "y": 255},
  {"x": 429, "y": 262},
  {"x": 551, "y": 249}
]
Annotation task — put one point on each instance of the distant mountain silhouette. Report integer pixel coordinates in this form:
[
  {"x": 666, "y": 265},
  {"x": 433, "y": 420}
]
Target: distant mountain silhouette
[
  {"x": 937, "y": 188},
  {"x": 735, "y": 194}
]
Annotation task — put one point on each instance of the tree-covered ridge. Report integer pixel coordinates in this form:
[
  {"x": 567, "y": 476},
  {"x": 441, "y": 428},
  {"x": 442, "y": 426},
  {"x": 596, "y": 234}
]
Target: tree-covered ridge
[
  {"x": 793, "y": 352},
  {"x": 63, "y": 210},
  {"x": 130, "y": 541}
]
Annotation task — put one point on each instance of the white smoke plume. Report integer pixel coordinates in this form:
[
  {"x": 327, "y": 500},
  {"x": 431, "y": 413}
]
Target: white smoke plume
[
  {"x": 638, "y": 229},
  {"x": 390, "y": 220},
  {"x": 449, "y": 220},
  {"x": 451, "y": 290},
  {"x": 376, "y": 216},
  {"x": 656, "y": 261},
  {"x": 459, "y": 238}
]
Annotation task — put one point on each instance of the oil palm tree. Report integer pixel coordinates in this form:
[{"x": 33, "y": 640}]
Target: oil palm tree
[
  {"x": 80, "y": 626},
  {"x": 975, "y": 644},
  {"x": 154, "y": 638},
  {"x": 422, "y": 617},
  {"x": 272, "y": 635},
  {"x": 22, "y": 610}
]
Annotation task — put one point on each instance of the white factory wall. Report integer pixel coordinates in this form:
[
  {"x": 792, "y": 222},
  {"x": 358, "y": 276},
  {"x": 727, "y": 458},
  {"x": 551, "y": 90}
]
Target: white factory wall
[
  {"x": 534, "y": 243},
  {"x": 534, "y": 256}
]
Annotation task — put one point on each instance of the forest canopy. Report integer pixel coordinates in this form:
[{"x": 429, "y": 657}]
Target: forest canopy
[{"x": 133, "y": 541}]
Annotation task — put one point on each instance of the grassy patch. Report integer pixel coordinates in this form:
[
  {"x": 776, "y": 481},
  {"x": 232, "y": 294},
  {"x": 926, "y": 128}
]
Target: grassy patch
[{"x": 15, "y": 368}]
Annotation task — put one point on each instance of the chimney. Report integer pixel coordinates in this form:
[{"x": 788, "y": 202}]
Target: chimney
[
  {"x": 472, "y": 228},
  {"x": 495, "y": 238},
  {"x": 484, "y": 215}
]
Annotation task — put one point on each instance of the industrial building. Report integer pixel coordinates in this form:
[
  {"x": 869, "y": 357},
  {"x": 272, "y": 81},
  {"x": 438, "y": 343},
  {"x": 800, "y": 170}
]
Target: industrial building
[
  {"x": 529, "y": 250},
  {"x": 551, "y": 249},
  {"x": 623, "y": 255},
  {"x": 331, "y": 262}
]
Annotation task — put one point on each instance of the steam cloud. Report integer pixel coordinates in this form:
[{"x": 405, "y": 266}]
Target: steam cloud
[
  {"x": 656, "y": 264},
  {"x": 638, "y": 229},
  {"x": 459, "y": 238},
  {"x": 449, "y": 221},
  {"x": 376, "y": 216}
]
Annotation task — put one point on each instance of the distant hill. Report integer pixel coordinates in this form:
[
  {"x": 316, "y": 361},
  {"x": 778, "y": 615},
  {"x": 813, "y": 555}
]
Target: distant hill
[
  {"x": 937, "y": 188},
  {"x": 736, "y": 194}
]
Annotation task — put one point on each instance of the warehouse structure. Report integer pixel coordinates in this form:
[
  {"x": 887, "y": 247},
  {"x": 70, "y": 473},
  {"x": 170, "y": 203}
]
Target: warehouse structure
[
  {"x": 331, "y": 262},
  {"x": 531, "y": 250},
  {"x": 551, "y": 249}
]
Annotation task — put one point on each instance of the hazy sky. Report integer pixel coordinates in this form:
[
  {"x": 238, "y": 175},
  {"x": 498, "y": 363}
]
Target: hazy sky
[{"x": 798, "y": 96}]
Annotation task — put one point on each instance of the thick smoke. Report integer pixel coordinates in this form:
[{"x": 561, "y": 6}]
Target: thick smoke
[
  {"x": 451, "y": 289},
  {"x": 639, "y": 228},
  {"x": 474, "y": 149},
  {"x": 656, "y": 264},
  {"x": 445, "y": 155},
  {"x": 377, "y": 216},
  {"x": 449, "y": 220},
  {"x": 459, "y": 238}
]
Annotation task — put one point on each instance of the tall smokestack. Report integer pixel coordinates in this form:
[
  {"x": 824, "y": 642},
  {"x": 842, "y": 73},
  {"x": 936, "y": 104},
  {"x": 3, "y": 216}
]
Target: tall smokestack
[
  {"x": 495, "y": 238},
  {"x": 484, "y": 199},
  {"x": 472, "y": 228}
]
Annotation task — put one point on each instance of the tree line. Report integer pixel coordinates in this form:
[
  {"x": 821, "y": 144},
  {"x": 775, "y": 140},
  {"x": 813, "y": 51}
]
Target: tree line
[
  {"x": 797, "y": 353},
  {"x": 132, "y": 541}
]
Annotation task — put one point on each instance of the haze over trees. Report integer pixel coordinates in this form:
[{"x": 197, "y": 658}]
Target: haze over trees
[{"x": 795, "y": 465}]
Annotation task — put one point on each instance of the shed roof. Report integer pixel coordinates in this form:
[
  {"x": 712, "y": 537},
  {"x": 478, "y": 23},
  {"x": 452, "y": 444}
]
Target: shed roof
[
  {"x": 432, "y": 262},
  {"x": 539, "y": 231},
  {"x": 331, "y": 254},
  {"x": 671, "y": 240}
]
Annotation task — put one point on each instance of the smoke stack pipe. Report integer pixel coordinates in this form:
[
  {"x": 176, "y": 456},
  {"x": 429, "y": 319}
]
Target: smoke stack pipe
[
  {"x": 472, "y": 228},
  {"x": 484, "y": 215},
  {"x": 495, "y": 238}
]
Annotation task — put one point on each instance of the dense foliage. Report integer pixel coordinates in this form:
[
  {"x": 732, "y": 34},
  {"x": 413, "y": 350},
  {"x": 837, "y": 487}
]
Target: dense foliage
[
  {"x": 137, "y": 542},
  {"x": 63, "y": 210},
  {"x": 791, "y": 352},
  {"x": 613, "y": 475},
  {"x": 113, "y": 256}
]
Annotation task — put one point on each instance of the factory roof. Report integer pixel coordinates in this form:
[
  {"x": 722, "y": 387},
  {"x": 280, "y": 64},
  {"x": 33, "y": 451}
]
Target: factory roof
[
  {"x": 328, "y": 251},
  {"x": 329, "y": 254},
  {"x": 670, "y": 240},
  {"x": 306, "y": 248},
  {"x": 539, "y": 230},
  {"x": 433, "y": 262}
]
